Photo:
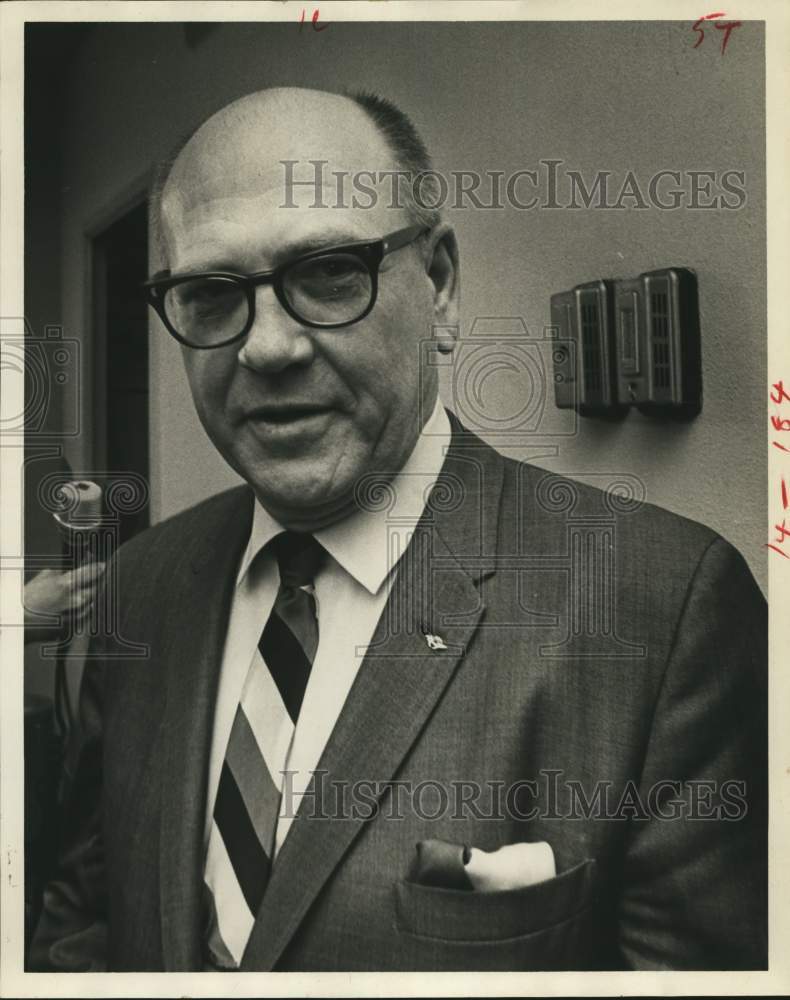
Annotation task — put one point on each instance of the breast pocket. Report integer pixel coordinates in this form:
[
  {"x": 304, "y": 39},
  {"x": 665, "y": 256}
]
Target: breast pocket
[{"x": 548, "y": 925}]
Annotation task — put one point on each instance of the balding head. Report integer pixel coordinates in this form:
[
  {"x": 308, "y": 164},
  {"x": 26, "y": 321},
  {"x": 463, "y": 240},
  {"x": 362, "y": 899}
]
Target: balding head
[{"x": 256, "y": 136}]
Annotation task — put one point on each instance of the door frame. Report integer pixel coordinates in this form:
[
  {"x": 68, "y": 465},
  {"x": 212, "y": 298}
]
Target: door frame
[{"x": 94, "y": 401}]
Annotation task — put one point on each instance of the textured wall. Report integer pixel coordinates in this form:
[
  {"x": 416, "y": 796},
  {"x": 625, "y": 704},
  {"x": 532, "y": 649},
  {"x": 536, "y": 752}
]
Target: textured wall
[{"x": 614, "y": 97}]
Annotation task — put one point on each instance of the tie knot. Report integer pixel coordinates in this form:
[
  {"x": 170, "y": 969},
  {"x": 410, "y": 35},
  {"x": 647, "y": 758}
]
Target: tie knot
[{"x": 299, "y": 556}]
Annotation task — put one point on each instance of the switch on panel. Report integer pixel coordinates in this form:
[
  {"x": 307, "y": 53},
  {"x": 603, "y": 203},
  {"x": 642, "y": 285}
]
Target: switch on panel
[
  {"x": 658, "y": 342},
  {"x": 586, "y": 378},
  {"x": 564, "y": 349},
  {"x": 650, "y": 328}
]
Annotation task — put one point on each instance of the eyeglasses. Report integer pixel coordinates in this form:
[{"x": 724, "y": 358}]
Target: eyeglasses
[{"x": 325, "y": 289}]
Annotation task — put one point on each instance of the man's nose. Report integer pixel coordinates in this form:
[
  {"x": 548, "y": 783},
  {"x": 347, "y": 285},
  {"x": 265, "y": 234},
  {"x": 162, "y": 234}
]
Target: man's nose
[{"x": 276, "y": 340}]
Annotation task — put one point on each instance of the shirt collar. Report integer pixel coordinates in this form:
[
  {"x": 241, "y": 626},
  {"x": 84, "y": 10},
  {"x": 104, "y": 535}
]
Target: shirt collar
[{"x": 359, "y": 543}]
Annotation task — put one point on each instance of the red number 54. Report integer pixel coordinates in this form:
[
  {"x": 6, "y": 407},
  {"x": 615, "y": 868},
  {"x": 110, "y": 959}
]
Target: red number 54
[{"x": 726, "y": 26}]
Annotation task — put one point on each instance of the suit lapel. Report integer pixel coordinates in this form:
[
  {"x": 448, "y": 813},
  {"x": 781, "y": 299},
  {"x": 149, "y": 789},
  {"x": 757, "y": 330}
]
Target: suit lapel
[
  {"x": 191, "y": 664},
  {"x": 398, "y": 684}
]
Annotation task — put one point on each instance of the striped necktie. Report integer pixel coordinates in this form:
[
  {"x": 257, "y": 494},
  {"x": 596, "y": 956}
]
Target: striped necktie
[{"x": 242, "y": 838}]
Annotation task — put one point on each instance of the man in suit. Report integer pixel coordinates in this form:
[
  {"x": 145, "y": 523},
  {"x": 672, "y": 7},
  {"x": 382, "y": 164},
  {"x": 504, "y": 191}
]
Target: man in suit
[{"x": 405, "y": 703}]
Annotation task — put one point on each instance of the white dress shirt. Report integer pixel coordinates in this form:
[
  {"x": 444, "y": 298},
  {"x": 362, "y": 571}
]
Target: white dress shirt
[{"x": 351, "y": 591}]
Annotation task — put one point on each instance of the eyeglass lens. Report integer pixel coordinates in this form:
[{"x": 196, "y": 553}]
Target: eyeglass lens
[{"x": 332, "y": 289}]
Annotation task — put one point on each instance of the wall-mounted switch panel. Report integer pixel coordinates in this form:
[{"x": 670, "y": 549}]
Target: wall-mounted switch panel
[
  {"x": 637, "y": 343},
  {"x": 584, "y": 316},
  {"x": 658, "y": 342}
]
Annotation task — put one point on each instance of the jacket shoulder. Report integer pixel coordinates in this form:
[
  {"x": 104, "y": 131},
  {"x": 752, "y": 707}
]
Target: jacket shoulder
[
  {"x": 542, "y": 497},
  {"x": 539, "y": 509},
  {"x": 547, "y": 507},
  {"x": 537, "y": 503},
  {"x": 184, "y": 530}
]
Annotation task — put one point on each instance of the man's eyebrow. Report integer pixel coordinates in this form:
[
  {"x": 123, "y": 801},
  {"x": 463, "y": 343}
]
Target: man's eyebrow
[
  {"x": 318, "y": 241},
  {"x": 286, "y": 251}
]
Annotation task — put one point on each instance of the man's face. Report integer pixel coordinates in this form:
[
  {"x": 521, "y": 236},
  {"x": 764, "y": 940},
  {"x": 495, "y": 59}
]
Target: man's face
[{"x": 301, "y": 413}]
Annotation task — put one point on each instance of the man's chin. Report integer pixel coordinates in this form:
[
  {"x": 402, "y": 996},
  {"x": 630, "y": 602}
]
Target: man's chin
[{"x": 305, "y": 504}]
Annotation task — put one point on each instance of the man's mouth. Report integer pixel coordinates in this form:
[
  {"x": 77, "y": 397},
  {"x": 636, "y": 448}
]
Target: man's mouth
[
  {"x": 290, "y": 424},
  {"x": 286, "y": 413}
]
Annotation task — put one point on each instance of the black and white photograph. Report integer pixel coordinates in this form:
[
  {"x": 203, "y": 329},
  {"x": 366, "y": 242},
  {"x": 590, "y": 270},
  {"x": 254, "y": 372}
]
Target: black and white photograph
[{"x": 395, "y": 452}]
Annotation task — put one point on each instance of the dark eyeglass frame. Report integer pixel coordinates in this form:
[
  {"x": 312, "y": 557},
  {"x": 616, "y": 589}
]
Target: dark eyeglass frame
[{"x": 370, "y": 252}]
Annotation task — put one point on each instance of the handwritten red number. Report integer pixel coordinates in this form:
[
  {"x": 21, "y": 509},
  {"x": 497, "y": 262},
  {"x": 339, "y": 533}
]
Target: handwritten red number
[
  {"x": 727, "y": 27},
  {"x": 783, "y": 530},
  {"x": 314, "y": 20},
  {"x": 779, "y": 393}
]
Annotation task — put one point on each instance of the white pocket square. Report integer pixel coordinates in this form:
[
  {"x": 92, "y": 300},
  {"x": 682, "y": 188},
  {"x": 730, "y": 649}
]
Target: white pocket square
[
  {"x": 446, "y": 865},
  {"x": 513, "y": 866}
]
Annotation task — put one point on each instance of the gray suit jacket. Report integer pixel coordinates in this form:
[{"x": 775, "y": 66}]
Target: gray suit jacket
[{"x": 605, "y": 670}]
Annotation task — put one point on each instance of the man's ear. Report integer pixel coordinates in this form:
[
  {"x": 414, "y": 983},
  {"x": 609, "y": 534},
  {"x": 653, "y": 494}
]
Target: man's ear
[{"x": 443, "y": 272}]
